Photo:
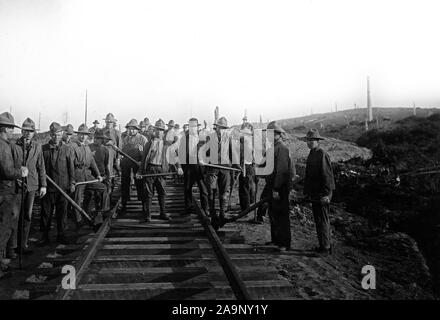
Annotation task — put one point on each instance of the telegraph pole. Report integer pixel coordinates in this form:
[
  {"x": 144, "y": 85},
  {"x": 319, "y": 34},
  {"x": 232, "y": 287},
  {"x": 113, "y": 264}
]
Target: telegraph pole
[
  {"x": 85, "y": 114},
  {"x": 39, "y": 120},
  {"x": 369, "y": 108}
]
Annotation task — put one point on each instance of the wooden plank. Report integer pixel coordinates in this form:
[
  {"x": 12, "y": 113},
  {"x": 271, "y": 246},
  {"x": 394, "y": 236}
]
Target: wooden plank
[
  {"x": 171, "y": 285},
  {"x": 171, "y": 246}
]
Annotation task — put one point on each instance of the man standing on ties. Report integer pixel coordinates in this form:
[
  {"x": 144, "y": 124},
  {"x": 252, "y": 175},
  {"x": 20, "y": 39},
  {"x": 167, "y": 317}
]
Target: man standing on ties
[
  {"x": 189, "y": 147},
  {"x": 59, "y": 164},
  {"x": 9, "y": 172},
  {"x": 85, "y": 169},
  {"x": 35, "y": 182},
  {"x": 246, "y": 183},
  {"x": 219, "y": 179},
  {"x": 134, "y": 145},
  {"x": 155, "y": 162},
  {"x": 99, "y": 191},
  {"x": 318, "y": 188}
]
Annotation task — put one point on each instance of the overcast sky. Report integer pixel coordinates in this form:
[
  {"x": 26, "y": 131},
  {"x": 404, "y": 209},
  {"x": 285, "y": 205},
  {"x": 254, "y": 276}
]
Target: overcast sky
[{"x": 176, "y": 59}]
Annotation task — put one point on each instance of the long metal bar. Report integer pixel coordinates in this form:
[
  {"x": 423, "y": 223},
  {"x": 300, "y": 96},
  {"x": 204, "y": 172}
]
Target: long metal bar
[
  {"x": 246, "y": 211},
  {"x": 72, "y": 202},
  {"x": 124, "y": 154},
  {"x": 152, "y": 175},
  {"x": 86, "y": 182},
  {"x": 220, "y": 167}
]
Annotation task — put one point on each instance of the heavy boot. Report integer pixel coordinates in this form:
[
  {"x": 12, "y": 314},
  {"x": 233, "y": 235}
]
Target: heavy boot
[
  {"x": 163, "y": 215},
  {"x": 122, "y": 210},
  {"x": 146, "y": 206},
  {"x": 44, "y": 241}
]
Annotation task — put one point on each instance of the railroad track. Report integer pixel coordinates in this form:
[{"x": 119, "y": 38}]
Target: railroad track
[{"x": 183, "y": 258}]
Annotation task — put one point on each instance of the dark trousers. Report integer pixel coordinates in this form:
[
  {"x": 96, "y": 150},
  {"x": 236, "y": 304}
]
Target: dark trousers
[
  {"x": 246, "y": 187},
  {"x": 267, "y": 192},
  {"x": 127, "y": 168},
  {"x": 322, "y": 223},
  {"x": 50, "y": 202},
  {"x": 155, "y": 183},
  {"x": 8, "y": 207},
  {"x": 193, "y": 174},
  {"x": 28, "y": 206},
  {"x": 279, "y": 219},
  {"x": 97, "y": 190},
  {"x": 217, "y": 180}
]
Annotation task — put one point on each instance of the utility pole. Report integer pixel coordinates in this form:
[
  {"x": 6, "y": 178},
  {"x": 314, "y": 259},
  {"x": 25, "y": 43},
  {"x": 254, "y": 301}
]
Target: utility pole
[
  {"x": 85, "y": 113},
  {"x": 336, "y": 107},
  {"x": 216, "y": 114},
  {"x": 414, "y": 109},
  {"x": 369, "y": 108},
  {"x": 39, "y": 121}
]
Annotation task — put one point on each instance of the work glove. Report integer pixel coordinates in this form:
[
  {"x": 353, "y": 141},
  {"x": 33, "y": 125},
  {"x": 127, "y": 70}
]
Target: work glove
[
  {"x": 180, "y": 171},
  {"x": 24, "y": 172},
  {"x": 43, "y": 191},
  {"x": 325, "y": 200},
  {"x": 99, "y": 178},
  {"x": 275, "y": 195},
  {"x": 72, "y": 188}
]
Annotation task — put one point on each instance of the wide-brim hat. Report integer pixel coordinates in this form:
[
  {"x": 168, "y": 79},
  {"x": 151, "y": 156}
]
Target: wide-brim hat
[
  {"x": 68, "y": 129},
  {"x": 6, "y": 119},
  {"x": 96, "y": 122},
  {"x": 28, "y": 125},
  {"x": 133, "y": 124},
  {"x": 102, "y": 134},
  {"x": 170, "y": 123},
  {"x": 110, "y": 118},
  {"x": 83, "y": 129},
  {"x": 222, "y": 123},
  {"x": 313, "y": 134},
  {"x": 55, "y": 127},
  {"x": 159, "y": 125},
  {"x": 275, "y": 127}
]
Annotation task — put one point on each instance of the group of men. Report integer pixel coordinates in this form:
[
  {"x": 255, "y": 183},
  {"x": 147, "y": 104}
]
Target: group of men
[{"x": 83, "y": 164}]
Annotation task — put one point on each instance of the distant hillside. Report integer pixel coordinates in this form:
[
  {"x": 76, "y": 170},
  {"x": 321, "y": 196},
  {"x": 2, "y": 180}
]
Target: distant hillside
[{"x": 350, "y": 124}]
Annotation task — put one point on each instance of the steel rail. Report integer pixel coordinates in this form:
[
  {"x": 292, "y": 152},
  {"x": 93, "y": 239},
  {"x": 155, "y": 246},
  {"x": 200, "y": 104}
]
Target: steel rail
[
  {"x": 234, "y": 279},
  {"x": 85, "y": 259}
]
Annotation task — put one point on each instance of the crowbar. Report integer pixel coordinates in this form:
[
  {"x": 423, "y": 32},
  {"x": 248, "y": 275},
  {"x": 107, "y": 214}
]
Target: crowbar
[
  {"x": 125, "y": 155},
  {"x": 74, "y": 204}
]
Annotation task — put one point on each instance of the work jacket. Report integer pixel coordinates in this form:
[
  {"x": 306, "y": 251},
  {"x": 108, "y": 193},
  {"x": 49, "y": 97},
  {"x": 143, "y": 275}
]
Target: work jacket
[
  {"x": 9, "y": 169},
  {"x": 84, "y": 163},
  {"x": 319, "y": 180},
  {"x": 283, "y": 168},
  {"x": 59, "y": 165},
  {"x": 34, "y": 162},
  {"x": 135, "y": 146},
  {"x": 102, "y": 158}
]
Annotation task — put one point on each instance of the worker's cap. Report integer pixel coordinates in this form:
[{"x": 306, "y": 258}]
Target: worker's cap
[
  {"x": 28, "y": 125},
  {"x": 313, "y": 134},
  {"x": 7, "y": 120},
  {"x": 159, "y": 125},
  {"x": 222, "y": 123},
  {"x": 273, "y": 125},
  {"x": 83, "y": 129},
  {"x": 110, "y": 118},
  {"x": 55, "y": 127},
  {"x": 133, "y": 124},
  {"x": 68, "y": 129}
]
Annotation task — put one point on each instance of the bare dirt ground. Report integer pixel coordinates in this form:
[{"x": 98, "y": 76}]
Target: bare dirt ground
[{"x": 401, "y": 272}]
